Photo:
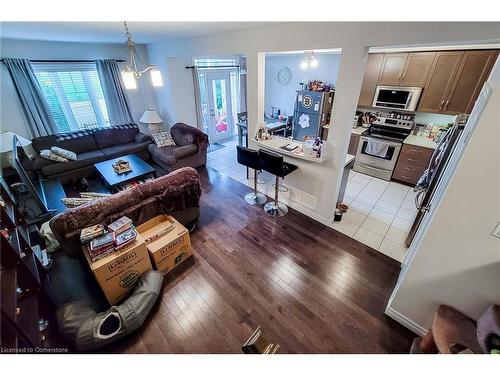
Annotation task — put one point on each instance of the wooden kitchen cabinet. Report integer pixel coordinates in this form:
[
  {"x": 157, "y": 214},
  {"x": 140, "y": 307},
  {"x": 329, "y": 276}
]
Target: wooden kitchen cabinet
[
  {"x": 392, "y": 69},
  {"x": 417, "y": 68},
  {"x": 353, "y": 144},
  {"x": 473, "y": 72},
  {"x": 441, "y": 77},
  {"x": 455, "y": 81},
  {"x": 411, "y": 164},
  {"x": 370, "y": 79}
]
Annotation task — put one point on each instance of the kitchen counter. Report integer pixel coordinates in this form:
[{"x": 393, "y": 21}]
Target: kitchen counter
[
  {"x": 358, "y": 130},
  {"x": 276, "y": 143},
  {"x": 417, "y": 140},
  {"x": 348, "y": 159}
]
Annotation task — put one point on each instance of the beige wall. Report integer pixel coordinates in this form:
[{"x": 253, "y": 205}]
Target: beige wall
[{"x": 458, "y": 260}]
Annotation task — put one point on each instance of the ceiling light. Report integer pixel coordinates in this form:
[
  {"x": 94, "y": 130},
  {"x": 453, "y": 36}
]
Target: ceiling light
[
  {"x": 313, "y": 62},
  {"x": 131, "y": 67},
  {"x": 304, "y": 64},
  {"x": 156, "y": 79},
  {"x": 129, "y": 80}
]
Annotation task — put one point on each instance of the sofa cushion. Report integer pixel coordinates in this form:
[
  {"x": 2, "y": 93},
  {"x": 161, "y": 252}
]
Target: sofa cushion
[
  {"x": 43, "y": 143},
  {"x": 125, "y": 149},
  {"x": 184, "y": 151},
  {"x": 78, "y": 142},
  {"x": 163, "y": 155},
  {"x": 163, "y": 139},
  {"x": 115, "y": 135},
  {"x": 84, "y": 159}
]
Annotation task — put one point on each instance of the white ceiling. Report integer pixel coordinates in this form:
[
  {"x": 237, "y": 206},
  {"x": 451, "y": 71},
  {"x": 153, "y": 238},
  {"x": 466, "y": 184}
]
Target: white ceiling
[{"x": 113, "y": 32}]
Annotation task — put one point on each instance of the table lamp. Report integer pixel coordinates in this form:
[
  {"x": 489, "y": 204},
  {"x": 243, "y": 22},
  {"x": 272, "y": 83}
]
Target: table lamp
[{"x": 151, "y": 118}]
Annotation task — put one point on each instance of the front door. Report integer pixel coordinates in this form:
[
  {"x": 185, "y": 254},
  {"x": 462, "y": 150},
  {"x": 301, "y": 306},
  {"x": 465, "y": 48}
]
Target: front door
[{"x": 220, "y": 117}]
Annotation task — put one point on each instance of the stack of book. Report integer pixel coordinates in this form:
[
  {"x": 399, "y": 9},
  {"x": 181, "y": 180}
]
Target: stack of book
[
  {"x": 89, "y": 233},
  {"x": 102, "y": 246},
  {"x": 125, "y": 232},
  {"x": 125, "y": 238},
  {"x": 121, "y": 225}
]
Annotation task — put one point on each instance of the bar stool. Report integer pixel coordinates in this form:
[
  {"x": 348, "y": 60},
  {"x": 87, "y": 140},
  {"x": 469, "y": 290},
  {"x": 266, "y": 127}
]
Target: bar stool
[
  {"x": 274, "y": 164},
  {"x": 250, "y": 159}
]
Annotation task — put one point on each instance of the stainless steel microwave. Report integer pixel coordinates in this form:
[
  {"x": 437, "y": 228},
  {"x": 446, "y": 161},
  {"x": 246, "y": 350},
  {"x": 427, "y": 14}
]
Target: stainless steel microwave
[{"x": 397, "y": 97}]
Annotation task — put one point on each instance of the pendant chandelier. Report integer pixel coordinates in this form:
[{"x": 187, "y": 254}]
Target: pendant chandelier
[{"x": 132, "y": 71}]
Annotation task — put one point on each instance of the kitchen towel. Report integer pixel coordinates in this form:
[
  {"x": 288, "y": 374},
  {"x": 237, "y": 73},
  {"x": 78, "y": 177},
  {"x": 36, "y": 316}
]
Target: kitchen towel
[{"x": 376, "y": 148}]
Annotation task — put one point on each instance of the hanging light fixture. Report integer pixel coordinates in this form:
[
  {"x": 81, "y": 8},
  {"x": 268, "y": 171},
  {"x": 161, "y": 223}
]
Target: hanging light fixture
[
  {"x": 309, "y": 60},
  {"x": 131, "y": 71}
]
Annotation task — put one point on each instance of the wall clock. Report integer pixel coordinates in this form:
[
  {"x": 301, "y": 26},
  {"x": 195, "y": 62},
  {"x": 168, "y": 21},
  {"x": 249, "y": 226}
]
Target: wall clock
[{"x": 284, "y": 76}]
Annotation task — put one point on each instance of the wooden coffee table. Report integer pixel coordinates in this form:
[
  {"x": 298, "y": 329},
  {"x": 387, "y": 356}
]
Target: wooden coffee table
[{"x": 140, "y": 169}]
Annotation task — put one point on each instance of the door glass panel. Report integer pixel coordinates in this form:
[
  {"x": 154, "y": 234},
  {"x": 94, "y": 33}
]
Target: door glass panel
[{"x": 220, "y": 105}]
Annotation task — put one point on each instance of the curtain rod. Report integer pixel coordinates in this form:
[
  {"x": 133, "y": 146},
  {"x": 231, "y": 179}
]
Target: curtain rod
[
  {"x": 65, "y": 61},
  {"x": 214, "y": 66}
]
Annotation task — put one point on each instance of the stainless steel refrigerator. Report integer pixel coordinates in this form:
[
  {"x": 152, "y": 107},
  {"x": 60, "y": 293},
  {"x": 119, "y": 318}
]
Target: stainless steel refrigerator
[
  {"x": 427, "y": 184},
  {"x": 311, "y": 112}
]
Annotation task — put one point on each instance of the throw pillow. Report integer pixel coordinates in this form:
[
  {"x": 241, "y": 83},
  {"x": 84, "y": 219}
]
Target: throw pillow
[
  {"x": 49, "y": 155},
  {"x": 163, "y": 139},
  {"x": 70, "y": 155}
]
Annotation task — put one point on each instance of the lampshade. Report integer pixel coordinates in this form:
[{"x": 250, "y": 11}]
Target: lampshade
[
  {"x": 150, "y": 117},
  {"x": 6, "y": 141}
]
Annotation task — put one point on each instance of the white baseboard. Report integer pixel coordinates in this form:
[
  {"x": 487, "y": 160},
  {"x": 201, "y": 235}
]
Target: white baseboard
[{"x": 403, "y": 320}]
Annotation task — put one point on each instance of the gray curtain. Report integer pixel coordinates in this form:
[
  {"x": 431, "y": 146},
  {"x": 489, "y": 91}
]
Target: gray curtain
[
  {"x": 197, "y": 99},
  {"x": 114, "y": 93},
  {"x": 36, "y": 110}
]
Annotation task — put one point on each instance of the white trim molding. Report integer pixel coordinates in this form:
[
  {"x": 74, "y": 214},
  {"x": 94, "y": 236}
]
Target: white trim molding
[{"x": 403, "y": 320}]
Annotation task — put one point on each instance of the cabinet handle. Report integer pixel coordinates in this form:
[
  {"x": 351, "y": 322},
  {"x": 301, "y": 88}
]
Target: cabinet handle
[
  {"x": 446, "y": 105},
  {"x": 409, "y": 169},
  {"x": 414, "y": 150},
  {"x": 441, "y": 106},
  {"x": 410, "y": 159},
  {"x": 405, "y": 177}
]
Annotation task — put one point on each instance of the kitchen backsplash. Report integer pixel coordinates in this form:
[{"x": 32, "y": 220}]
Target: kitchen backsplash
[{"x": 433, "y": 118}]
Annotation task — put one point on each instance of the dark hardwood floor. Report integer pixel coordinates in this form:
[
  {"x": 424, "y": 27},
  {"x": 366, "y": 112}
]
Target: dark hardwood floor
[{"x": 312, "y": 289}]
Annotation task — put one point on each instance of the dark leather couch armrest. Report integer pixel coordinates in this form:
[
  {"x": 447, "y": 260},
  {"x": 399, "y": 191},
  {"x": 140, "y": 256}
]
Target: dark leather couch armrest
[
  {"x": 141, "y": 138},
  {"x": 184, "y": 151}
]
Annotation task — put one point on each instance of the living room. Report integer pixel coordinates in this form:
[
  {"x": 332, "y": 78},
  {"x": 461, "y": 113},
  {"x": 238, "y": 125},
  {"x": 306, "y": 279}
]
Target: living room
[{"x": 110, "y": 158}]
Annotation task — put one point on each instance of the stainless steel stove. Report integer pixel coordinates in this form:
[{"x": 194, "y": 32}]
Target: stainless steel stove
[{"x": 380, "y": 144}]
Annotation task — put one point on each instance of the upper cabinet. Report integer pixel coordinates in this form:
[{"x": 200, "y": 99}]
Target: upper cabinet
[
  {"x": 455, "y": 80},
  {"x": 370, "y": 79},
  {"x": 406, "y": 69},
  {"x": 417, "y": 68},
  {"x": 392, "y": 69},
  {"x": 451, "y": 80},
  {"x": 473, "y": 72},
  {"x": 441, "y": 78}
]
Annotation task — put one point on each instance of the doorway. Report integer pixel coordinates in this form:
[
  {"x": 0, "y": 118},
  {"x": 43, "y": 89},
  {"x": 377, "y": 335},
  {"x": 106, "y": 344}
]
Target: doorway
[{"x": 218, "y": 105}]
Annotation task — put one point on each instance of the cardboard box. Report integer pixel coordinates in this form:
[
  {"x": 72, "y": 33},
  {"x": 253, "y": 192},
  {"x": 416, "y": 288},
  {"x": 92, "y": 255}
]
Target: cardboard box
[
  {"x": 167, "y": 241},
  {"x": 118, "y": 272}
]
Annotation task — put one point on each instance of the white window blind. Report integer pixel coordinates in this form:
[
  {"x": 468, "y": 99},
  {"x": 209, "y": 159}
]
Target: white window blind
[{"x": 74, "y": 95}]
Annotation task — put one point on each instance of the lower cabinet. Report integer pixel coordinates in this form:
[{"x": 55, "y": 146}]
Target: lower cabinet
[
  {"x": 353, "y": 144},
  {"x": 411, "y": 164}
]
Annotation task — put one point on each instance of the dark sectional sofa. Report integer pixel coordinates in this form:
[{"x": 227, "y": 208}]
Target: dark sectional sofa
[{"x": 91, "y": 147}]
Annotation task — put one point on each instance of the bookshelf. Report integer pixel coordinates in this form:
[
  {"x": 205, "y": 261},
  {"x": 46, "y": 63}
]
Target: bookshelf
[{"x": 25, "y": 309}]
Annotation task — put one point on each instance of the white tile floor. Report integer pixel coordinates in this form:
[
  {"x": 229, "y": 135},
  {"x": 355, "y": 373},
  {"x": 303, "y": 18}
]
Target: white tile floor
[
  {"x": 380, "y": 213},
  {"x": 224, "y": 161}
]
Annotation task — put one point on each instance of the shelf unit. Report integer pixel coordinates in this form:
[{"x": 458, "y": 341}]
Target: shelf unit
[{"x": 23, "y": 303}]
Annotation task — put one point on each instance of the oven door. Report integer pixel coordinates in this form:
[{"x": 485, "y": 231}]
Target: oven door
[{"x": 378, "y": 152}]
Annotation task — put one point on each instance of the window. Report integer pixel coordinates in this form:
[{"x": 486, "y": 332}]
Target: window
[{"x": 74, "y": 95}]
